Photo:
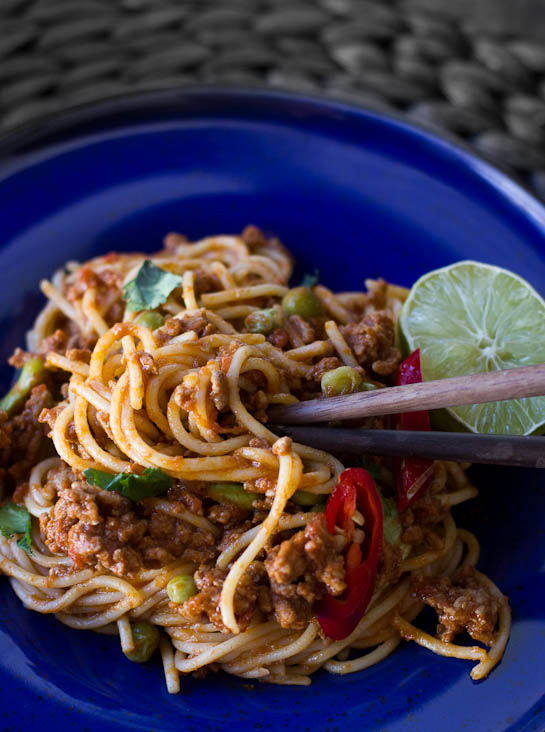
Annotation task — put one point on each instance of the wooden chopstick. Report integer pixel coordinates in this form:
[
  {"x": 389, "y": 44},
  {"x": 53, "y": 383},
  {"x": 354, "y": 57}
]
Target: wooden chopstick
[
  {"x": 524, "y": 381},
  {"x": 459, "y": 446}
]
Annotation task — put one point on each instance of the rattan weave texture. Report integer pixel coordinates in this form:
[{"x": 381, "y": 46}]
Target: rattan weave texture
[{"x": 486, "y": 89}]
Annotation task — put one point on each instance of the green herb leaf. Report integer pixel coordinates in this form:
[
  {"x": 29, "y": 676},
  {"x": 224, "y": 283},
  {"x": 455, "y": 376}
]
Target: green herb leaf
[
  {"x": 309, "y": 280},
  {"x": 99, "y": 478},
  {"x": 16, "y": 520},
  {"x": 393, "y": 528},
  {"x": 150, "y": 288},
  {"x": 153, "y": 482}
]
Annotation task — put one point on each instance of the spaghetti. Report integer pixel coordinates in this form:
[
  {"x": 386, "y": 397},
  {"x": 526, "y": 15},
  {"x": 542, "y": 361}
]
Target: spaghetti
[{"x": 181, "y": 390}]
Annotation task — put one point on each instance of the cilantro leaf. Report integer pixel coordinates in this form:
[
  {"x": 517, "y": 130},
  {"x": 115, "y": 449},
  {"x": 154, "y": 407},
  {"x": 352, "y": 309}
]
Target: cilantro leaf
[
  {"x": 16, "y": 520},
  {"x": 150, "y": 288},
  {"x": 309, "y": 280},
  {"x": 99, "y": 478},
  {"x": 153, "y": 482}
]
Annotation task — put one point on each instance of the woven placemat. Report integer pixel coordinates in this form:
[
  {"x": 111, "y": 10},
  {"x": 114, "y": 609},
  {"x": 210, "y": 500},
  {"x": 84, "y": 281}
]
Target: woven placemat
[{"x": 486, "y": 88}]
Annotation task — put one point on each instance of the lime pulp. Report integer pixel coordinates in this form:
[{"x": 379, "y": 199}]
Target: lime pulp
[{"x": 471, "y": 317}]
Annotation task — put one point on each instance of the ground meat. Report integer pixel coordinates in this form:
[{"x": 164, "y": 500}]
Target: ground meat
[
  {"x": 19, "y": 358},
  {"x": 377, "y": 294},
  {"x": 188, "y": 490},
  {"x": 172, "y": 328},
  {"x": 196, "y": 321},
  {"x": 226, "y": 514},
  {"x": 232, "y": 534},
  {"x": 257, "y": 404},
  {"x": 79, "y": 340},
  {"x": 467, "y": 605},
  {"x": 101, "y": 528},
  {"x": 147, "y": 364},
  {"x": 192, "y": 502},
  {"x": 205, "y": 282},
  {"x": 279, "y": 338},
  {"x": 260, "y": 485},
  {"x": 322, "y": 367},
  {"x": 226, "y": 353},
  {"x": 389, "y": 569},
  {"x": 54, "y": 343},
  {"x": 173, "y": 240},
  {"x": 79, "y": 354},
  {"x": 28, "y": 441},
  {"x": 300, "y": 332},
  {"x": 49, "y": 416},
  {"x": 220, "y": 389},
  {"x": 303, "y": 569},
  {"x": 253, "y": 237},
  {"x": 419, "y": 517},
  {"x": 169, "y": 537},
  {"x": 205, "y": 605},
  {"x": 58, "y": 478},
  {"x": 5, "y": 439},
  {"x": 372, "y": 341},
  {"x": 256, "y": 240},
  {"x": 253, "y": 381},
  {"x": 107, "y": 280}
]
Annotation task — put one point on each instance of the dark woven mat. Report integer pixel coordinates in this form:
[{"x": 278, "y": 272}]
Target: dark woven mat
[{"x": 485, "y": 87}]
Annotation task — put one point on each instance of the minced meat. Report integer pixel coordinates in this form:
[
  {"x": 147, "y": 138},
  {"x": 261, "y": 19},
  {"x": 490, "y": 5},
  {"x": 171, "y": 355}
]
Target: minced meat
[
  {"x": 372, "y": 341},
  {"x": 205, "y": 605},
  {"x": 467, "y": 605},
  {"x": 23, "y": 440},
  {"x": 102, "y": 528},
  {"x": 303, "y": 569}
]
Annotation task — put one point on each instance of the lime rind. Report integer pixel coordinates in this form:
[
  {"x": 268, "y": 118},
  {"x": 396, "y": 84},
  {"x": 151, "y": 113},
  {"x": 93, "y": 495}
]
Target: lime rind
[{"x": 470, "y": 317}]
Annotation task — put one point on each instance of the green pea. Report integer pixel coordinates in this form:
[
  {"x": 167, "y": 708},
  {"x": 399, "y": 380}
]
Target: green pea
[
  {"x": 304, "y": 498},
  {"x": 146, "y": 640},
  {"x": 302, "y": 301},
  {"x": 181, "y": 588},
  {"x": 342, "y": 380},
  {"x": 234, "y": 493},
  {"x": 367, "y": 386},
  {"x": 150, "y": 319},
  {"x": 31, "y": 375},
  {"x": 264, "y": 321}
]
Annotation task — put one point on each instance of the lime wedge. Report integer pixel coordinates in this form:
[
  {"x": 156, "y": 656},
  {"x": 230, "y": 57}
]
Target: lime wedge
[{"x": 471, "y": 317}]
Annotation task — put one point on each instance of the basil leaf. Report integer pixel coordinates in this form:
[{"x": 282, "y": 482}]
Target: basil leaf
[
  {"x": 150, "y": 288},
  {"x": 153, "y": 482},
  {"x": 16, "y": 520}
]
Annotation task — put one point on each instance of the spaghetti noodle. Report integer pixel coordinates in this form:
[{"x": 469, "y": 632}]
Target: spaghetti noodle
[{"x": 182, "y": 389}]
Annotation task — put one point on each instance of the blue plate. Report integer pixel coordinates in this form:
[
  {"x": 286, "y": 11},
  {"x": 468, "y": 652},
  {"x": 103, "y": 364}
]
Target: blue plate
[{"x": 358, "y": 195}]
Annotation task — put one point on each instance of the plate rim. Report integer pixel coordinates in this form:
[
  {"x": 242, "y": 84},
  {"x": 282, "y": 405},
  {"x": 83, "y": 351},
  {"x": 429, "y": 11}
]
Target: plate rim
[
  {"x": 31, "y": 131},
  {"x": 37, "y": 132}
]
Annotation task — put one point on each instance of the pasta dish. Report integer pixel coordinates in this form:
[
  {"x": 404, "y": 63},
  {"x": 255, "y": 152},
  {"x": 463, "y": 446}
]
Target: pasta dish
[{"x": 145, "y": 496}]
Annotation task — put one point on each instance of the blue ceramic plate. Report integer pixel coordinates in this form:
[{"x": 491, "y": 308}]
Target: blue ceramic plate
[{"x": 358, "y": 195}]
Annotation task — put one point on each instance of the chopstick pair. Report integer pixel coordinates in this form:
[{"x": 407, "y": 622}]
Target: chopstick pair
[{"x": 527, "y": 381}]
